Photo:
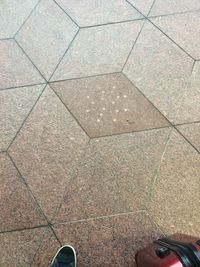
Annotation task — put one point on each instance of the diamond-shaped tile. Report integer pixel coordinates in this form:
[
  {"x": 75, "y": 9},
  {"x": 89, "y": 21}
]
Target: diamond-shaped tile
[
  {"x": 183, "y": 29},
  {"x": 159, "y": 69},
  {"x": 110, "y": 241},
  {"x": 192, "y": 133},
  {"x": 98, "y": 50},
  {"x": 175, "y": 196},
  {"x": 144, "y": 6},
  {"x": 18, "y": 210},
  {"x": 189, "y": 108},
  {"x": 11, "y": 75},
  {"x": 89, "y": 12},
  {"x": 169, "y": 7},
  {"x": 19, "y": 248},
  {"x": 46, "y": 149},
  {"x": 46, "y": 35},
  {"x": 15, "y": 106},
  {"x": 113, "y": 176},
  {"x": 13, "y": 14},
  {"x": 108, "y": 104}
]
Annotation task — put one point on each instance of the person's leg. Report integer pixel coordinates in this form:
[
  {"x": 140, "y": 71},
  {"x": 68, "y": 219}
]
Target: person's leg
[{"x": 65, "y": 257}]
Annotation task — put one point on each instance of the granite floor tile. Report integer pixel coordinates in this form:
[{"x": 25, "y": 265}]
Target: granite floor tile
[
  {"x": 15, "y": 106},
  {"x": 159, "y": 69},
  {"x": 13, "y": 14},
  {"x": 174, "y": 204},
  {"x": 192, "y": 133},
  {"x": 143, "y": 6},
  {"x": 46, "y": 35},
  {"x": 110, "y": 241},
  {"x": 18, "y": 210},
  {"x": 89, "y": 12},
  {"x": 46, "y": 149},
  {"x": 189, "y": 108},
  {"x": 108, "y": 104},
  {"x": 169, "y": 7},
  {"x": 183, "y": 29},
  {"x": 11, "y": 57},
  {"x": 113, "y": 176},
  {"x": 91, "y": 47},
  {"x": 19, "y": 248}
]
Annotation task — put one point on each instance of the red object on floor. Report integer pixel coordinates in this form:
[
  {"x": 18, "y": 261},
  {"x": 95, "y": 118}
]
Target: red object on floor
[{"x": 176, "y": 251}]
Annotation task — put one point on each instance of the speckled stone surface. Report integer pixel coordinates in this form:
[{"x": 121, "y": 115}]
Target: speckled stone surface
[
  {"x": 143, "y": 6},
  {"x": 90, "y": 53},
  {"x": 19, "y": 248},
  {"x": 46, "y": 36},
  {"x": 159, "y": 69},
  {"x": 114, "y": 175},
  {"x": 187, "y": 24},
  {"x": 110, "y": 148},
  {"x": 90, "y": 12},
  {"x": 108, "y": 104},
  {"x": 10, "y": 74},
  {"x": 46, "y": 149},
  {"x": 15, "y": 106},
  {"x": 18, "y": 209},
  {"x": 13, "y": 14},
  {"x": 169, "y": 7},
  {"x": 192, "y": 133},
  {"x": 175, "y": 199},
  {"x": 108, "y": 242},
  {"x": 189, "y": 108}
]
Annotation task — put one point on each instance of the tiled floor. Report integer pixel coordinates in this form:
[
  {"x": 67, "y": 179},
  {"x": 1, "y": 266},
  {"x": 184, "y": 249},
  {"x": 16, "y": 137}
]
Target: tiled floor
[{"x": 99, "y": 127}]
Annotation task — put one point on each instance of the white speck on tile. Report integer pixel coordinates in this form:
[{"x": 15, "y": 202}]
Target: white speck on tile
[
  {"x": 125, "y": 96},
  {"x": 98, "y": 120},
  {"x": 87, "y": 110},
  {"x": 103, "y": 108},
  {"x": 88, "y": 96},
  {"x": 114, "y": 120},
  {"x": 118, "y": 97},
  {"x": 117, "y": 110},
  {"x": 113, "y": 102},
  {"x": 101, "y": 114},
  {"x": 125, "y": 109}
]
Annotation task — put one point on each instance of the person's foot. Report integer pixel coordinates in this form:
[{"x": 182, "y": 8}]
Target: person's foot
[{"x": 65, "y": 257}]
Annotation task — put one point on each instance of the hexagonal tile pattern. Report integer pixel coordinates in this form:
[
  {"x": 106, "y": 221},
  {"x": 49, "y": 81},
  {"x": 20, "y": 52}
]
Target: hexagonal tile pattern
[
  {"x": 169, "y": 7},
  {"x": 108, "y": 104},
  {"x": 11, "y": 57},
  {"x": 91, "y": 46},
  {"x": 187, "y": 25},
  {"x": 113, "y": 176},
  {"x": 160, "y": 70},
  {"x": 143, "y": 6},
  {"x": 46, "y": 148},
  {"x": 19, "y": 248},
  {"x": 110, "y": 241},
  {"x": 13, "y": 14},
  {"x": 192, "y": 133},
  {"x": 177, "y": 189},
  {"x": 90, "y": 12},
  {"x": 15, "y": 106},
  {"x": 46, "y": 36},
  {"x": 189, "y": 108},
  {"x": 18, "y": 210}
]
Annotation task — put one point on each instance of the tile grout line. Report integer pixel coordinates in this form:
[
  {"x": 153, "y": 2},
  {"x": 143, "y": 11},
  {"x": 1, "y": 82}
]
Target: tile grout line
[
  {"x": 63, "y": 55},
  {"x": 69, "y": 111},
  {"x": 149, "y": 20},
  {"x": 27, "y": 18},
  {"x": 99, "y": 217},
  {"x": 174, "y": 14},
  {"x": 71, "y": 178},
  {"x": 129, "y": 54},
  {"x": 21, "y": 86},
  {"x": 27, "y": 56},
  {"x": 32, "y": 195},
  {"x": 66, "y": 13},
  {"x": 85, "y": 77},
  {"x": 24, "y": 229},
  {"x": 186, "y": 139},
  {"x": 111, "y": 23},
  {"x": 25, "y": 119},
  {"x": 154, "y": 223}
]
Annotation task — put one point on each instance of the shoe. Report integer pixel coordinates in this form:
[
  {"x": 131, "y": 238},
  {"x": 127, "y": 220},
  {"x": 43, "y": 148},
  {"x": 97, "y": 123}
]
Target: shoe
[{"x": 65, "y": 257}]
